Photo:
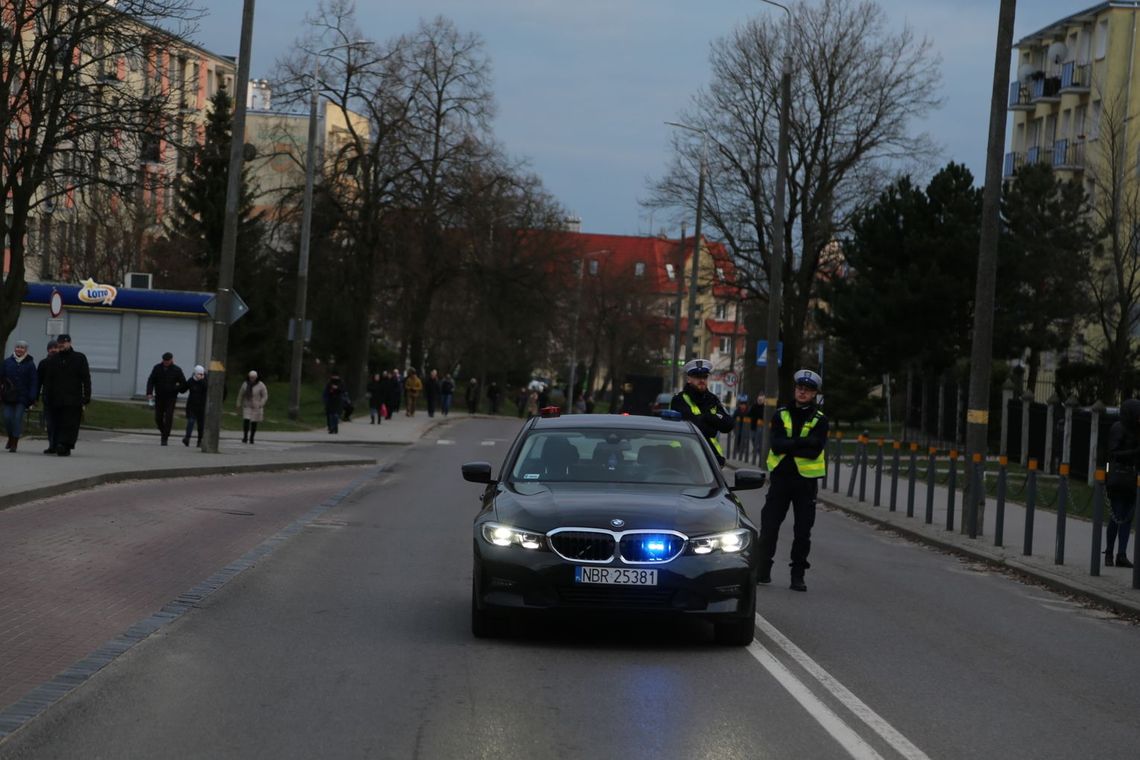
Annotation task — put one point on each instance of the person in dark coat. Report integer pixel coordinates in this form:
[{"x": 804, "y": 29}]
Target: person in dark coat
[
  {"x": 333, "y": 397},
  {"x": 392, "y": 391},
  {"x": 66, "y": 384},
  {"x": 166, "y": 381},
  {"x": 700, "y": 406},
  {"x": 1123, "y": 458},
  {"x": 796, "y": 463},
  {"x": 493, "y": 396},
  {"x": 17, "y": 391},
  {"x": 431, "y": 392},
  {"x": 375, "y": 399},
  {"x": 198, "y": 387},
  {"x": 446, "y": 394},
  {"x": 472, "y": 396},
  {"x": 45, "y": 408}
]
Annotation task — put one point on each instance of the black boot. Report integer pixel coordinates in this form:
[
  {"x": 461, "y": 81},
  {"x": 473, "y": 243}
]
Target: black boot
[
  {"x": 1108, "y": 557},
  {"x": 765, "y": 575},
  {"x": 13, "y": 442},
  {"x": 8, "y": 445},
  {"x": 798, "y": 581},
  {"x": 1121, "y": 559}
]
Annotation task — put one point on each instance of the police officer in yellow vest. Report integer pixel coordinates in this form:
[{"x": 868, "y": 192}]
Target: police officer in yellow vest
[
  {"x": 796, "y": 462},
  {"x": 698, "y": 405}
]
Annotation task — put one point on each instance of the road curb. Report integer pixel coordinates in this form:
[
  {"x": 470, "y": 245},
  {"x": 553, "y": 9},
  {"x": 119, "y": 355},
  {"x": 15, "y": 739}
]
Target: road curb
[
  {"x": 995, "y": 557},
  {"x": 91, "y": 481}
]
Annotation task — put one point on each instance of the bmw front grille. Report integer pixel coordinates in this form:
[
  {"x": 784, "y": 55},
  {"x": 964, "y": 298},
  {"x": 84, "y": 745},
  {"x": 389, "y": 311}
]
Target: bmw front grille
[{"x": 633, "y": 547}]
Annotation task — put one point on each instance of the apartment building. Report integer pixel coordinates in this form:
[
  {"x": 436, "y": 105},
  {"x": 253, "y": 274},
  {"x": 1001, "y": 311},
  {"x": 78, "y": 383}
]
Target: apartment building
[{"x": 126, "y": 69}]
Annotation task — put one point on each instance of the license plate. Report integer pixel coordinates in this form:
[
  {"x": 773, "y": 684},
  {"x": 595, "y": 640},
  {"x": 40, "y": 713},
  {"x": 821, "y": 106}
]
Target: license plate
[{"x": 615, "y": 576}]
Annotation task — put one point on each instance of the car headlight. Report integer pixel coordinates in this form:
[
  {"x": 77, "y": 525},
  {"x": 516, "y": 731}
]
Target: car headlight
[
  {"x": 731, "y": 542},
  {"x": 504, "y": 535}
]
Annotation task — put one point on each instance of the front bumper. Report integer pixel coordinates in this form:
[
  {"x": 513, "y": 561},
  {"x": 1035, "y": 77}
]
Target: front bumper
[{"x": 717, "y": 585}]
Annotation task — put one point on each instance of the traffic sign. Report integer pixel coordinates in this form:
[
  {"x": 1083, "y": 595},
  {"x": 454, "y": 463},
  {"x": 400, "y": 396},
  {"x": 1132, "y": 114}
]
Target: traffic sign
[
  {"x": 238, "y": 307},
  {"x": 730, "y": 379},
  {"x": 762, "y": 353}
]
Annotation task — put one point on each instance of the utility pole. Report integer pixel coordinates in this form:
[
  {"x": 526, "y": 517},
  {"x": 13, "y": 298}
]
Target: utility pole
[
  {"x": 679, "y": 268},
  {"x": 776, "y": 260},
  {"x": 223, "y": 303},
  {"x": 981, "y": 352},
  {"x": 303, "y": 260}
]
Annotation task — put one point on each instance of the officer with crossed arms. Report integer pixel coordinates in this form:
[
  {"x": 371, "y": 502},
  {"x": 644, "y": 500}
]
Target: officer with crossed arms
[
  {"x": 796, "y": 461},
  {"x": 701, "y": 407}
]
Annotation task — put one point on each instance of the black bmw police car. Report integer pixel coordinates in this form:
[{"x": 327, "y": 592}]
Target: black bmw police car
[{"x": 613, "y": 513}]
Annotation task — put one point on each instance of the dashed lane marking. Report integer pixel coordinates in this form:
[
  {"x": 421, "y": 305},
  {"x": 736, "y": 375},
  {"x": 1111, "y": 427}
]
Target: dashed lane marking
[
  {"x": 487, "y": 443},
  {"x": 444, "y": 442}
]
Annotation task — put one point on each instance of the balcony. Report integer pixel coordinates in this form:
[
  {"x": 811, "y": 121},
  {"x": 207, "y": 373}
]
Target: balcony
[
  {"x": 1069, "y": 155},
  {"x": 1046, "y": 89},
  {"x": 1075, "y": 77},
  {"x": 1013, "y": 162},
  {"x": 1034, "y": 155},
  {"x": 1019, "y": 98}
]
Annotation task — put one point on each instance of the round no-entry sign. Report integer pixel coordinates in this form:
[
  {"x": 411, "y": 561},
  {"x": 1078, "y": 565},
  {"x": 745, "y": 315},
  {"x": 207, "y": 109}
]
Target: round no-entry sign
[{"x": 730, "y": 379}]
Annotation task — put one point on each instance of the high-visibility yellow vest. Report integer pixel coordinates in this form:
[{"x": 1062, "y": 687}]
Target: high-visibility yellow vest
[
  {"x": 808, "y": 468},
  {"x": 697, "y": 412}
]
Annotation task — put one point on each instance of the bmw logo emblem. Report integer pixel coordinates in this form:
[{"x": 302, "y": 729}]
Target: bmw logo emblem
[{"x": 617, "y": 523}]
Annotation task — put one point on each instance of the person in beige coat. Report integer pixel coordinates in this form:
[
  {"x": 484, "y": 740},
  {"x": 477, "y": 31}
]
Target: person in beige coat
[{"x": 252, "y": 399}]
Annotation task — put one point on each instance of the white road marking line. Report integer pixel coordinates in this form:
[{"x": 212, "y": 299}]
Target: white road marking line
[
  {"x": 443, "y": 442},
  {"x": 487, "y": 443},
  {"x": 823, "y": 714},
  {"x": 861, "y": 710}
]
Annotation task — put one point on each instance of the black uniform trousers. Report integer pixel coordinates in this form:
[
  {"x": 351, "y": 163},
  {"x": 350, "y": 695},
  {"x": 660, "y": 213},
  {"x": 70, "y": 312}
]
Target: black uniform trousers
[
  {"x": 164, "y": 414},
  {"x": 788, "y": 489}
]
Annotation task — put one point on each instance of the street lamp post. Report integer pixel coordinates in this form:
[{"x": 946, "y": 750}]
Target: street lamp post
[
  {"x": 577, "y": 316},
  {"x": 694, "y": 273},
  {"x": 224, "y": 297},
  {"x": 776, "y": 260}
]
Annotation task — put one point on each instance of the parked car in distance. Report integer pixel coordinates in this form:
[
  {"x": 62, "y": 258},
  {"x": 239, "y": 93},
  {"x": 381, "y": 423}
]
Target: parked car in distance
[{"x": 660, "y": 404}]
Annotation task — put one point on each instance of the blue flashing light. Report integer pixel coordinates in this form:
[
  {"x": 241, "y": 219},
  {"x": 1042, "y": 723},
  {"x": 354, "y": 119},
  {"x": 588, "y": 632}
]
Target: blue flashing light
[
  {"x": 670, "y": 414},
  {"x": 656, "y": 546}
]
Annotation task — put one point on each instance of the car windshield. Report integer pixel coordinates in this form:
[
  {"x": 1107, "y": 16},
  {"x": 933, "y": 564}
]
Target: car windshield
[{"x": 612, "y": 456}]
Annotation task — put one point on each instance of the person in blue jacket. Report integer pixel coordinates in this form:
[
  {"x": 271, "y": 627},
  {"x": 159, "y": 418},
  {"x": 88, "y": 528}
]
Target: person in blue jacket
[{"x": 17, "y": 391}]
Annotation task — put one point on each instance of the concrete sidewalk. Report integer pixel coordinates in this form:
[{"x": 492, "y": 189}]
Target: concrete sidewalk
[
  {"x": 1112, "y": 588},
  {"x": 107, "y": 456}
]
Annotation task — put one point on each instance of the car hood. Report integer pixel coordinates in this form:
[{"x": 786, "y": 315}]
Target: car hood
[{"x": 692, "y": 511}]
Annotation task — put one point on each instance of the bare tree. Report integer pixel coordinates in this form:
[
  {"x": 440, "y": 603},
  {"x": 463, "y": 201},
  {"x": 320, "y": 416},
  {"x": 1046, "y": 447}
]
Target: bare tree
[
  {"x": 79, "y": 111},
  {"x": 1115, "y": 273},
  {"x": 856, "y": 88}
]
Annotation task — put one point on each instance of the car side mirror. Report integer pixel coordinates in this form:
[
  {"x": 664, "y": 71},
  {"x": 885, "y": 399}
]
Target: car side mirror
[
  {"x": 477, "y": 472},
  {"x": 747, "y": 480}
]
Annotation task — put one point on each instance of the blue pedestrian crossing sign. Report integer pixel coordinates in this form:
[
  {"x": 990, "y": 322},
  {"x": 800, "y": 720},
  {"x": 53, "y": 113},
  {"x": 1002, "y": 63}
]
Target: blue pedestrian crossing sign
[{"x": 762, "y": 353}]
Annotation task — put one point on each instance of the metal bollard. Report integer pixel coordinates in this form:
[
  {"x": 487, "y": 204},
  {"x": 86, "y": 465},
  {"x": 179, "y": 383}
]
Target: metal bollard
[
  {"x": 1003, "y": 475},
  {"x": 879, "y": 474},
  {"x": 1030, "y": 506},
  {"x": 1062, "y": 510},
  {"x": 1097, "y": 520},
  {"x": 930, "y": 476},
  {"x": 863, "y": 467},
  {"x": 854, "y": 468},
  {"x": 977, "y": 488},
  {"x": 952, "y": 484},
  {"x": 912, "y": 471},
  {"x": 894, "y": 476},
  {"x": 838, "y": 458}
]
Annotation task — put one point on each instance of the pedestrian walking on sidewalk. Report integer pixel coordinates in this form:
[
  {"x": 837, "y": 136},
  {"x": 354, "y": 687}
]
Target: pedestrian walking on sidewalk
[
  {"x": 45, "y": 408},
  {"x": 166, "y": 381},
  {"x": 1123, "y": 458},
  {"x": 413, "y": 386},
  {"x": 472, "y": 396},
  {"x": 65, "y": 381},
  {"x": 796, "y": 462},
  {"x": 251, "y": 402},
  {"x": 375, "y": 392},
  {"x": 17, "y": 391},
  {"x": 700, "y": 406},
  {"x": 333, "y": 397},
  {"x": 197, "y": 386},
  {"x": 446, "y": 394},
  {"x": 431, "y": 392}
]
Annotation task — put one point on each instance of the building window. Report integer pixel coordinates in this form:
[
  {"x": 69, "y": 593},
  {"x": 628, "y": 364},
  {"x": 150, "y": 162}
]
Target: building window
[
  {"x": 724, "y": 345},
  {"x": 721, "y": 311},
  {"x": 670, "y": 271},
  {"x": 1101, "y": 38},
  {"x": 639, "y": 269},
  {"x": 593, "y": 267},
  {"x": 720, "y": 273}
]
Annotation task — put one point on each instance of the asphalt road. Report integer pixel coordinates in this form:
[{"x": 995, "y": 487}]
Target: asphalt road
[{"x": 351, "y": 640}]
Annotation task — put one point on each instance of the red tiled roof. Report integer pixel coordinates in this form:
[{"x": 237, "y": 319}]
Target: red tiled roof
[{"x": 724, "y": 327}]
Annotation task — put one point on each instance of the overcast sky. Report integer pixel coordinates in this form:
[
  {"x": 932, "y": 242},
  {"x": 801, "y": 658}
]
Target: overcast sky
[{"x": 583, "y": 86}]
